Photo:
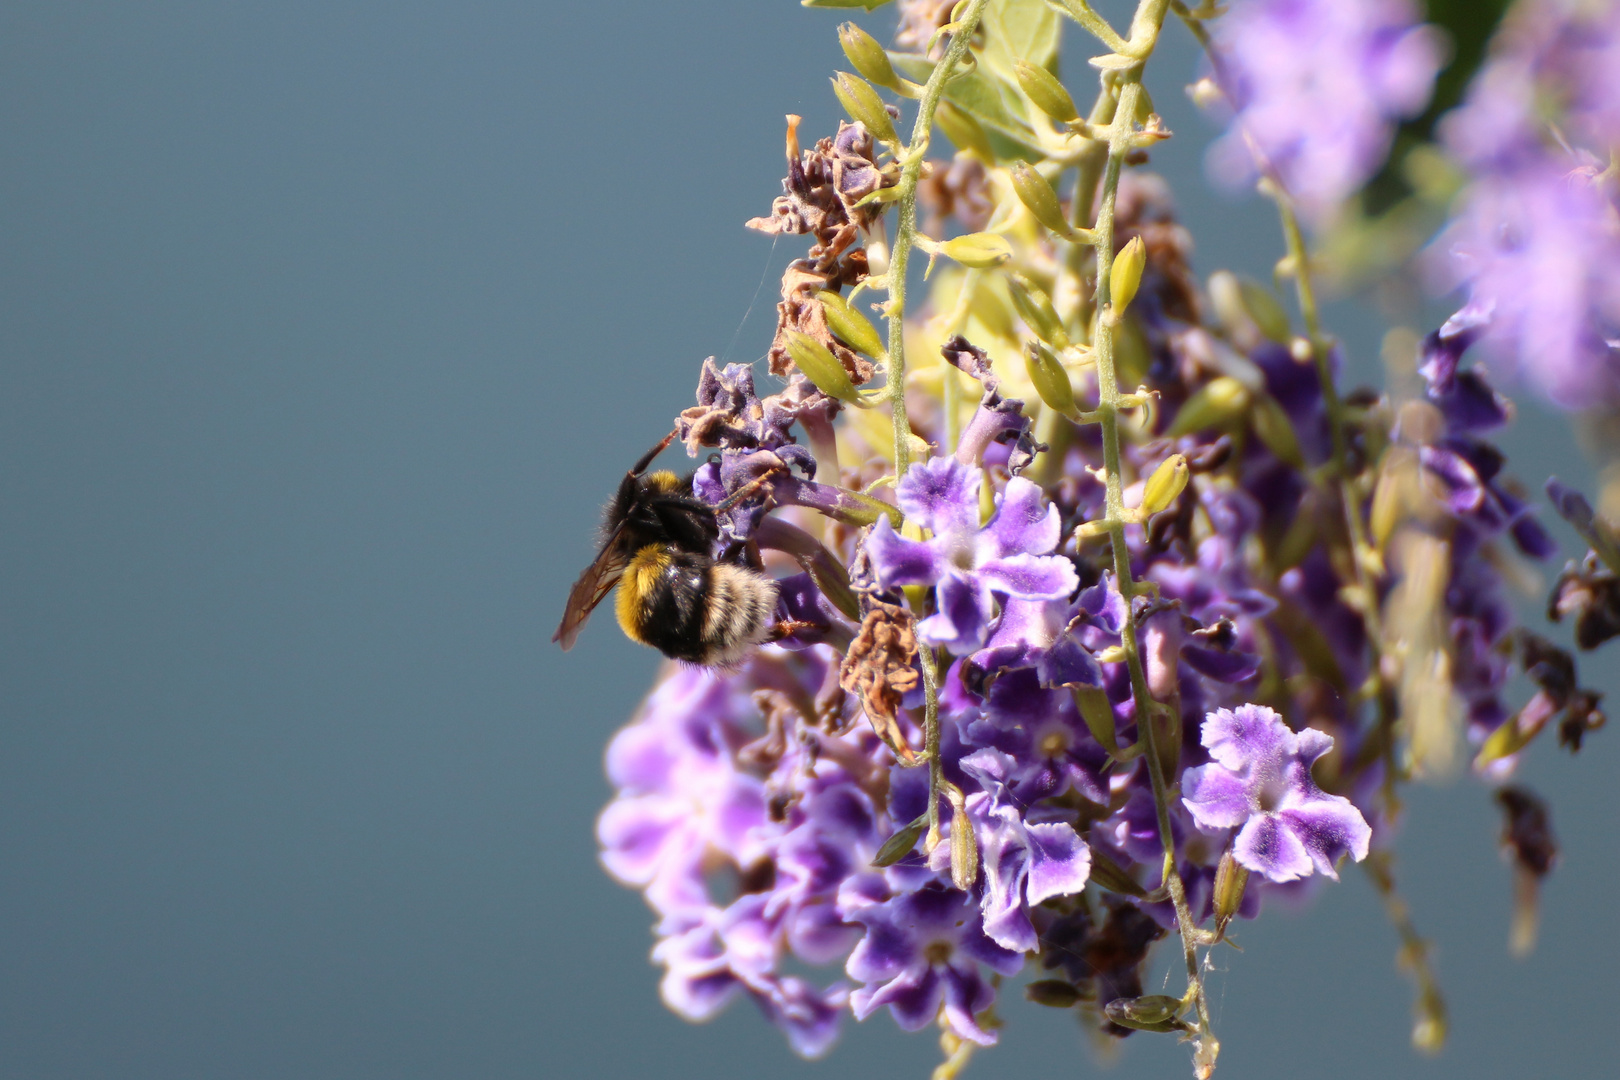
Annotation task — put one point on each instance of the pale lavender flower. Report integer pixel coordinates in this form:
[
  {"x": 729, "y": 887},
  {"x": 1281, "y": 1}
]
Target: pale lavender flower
[
  {"x": 1260, "y": 784},
  {"x": 968, "y": 564},
  {"x": 1319, "y": 86},
  {"x": 924, "y": 949}
]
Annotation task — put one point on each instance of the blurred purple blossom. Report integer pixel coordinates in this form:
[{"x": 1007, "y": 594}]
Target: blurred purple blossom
[{"x": 1318, "y": 87}]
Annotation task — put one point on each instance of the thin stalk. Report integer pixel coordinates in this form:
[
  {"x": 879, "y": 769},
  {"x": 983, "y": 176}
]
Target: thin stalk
[
  {"x": 906, "y": 231},
  {"x": 900, "y": 255},
  {"x": 1145, "y": 27}
]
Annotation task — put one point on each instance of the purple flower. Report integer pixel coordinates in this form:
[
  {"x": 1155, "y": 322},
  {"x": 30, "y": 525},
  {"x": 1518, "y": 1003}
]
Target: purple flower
[
  {"x": 1260, "y": 783},
  {"x": 968, "y": 564},
  {"x": 1024, "y": 863},
  {"x": 921, "y": 950},
  {"x": 1318, "y": 86}
]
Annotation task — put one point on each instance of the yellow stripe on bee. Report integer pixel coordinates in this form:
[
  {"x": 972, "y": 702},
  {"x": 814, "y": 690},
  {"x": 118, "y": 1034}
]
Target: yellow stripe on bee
[
  {"x": 639, "y": 577},
  {"x": 663, "y": 482}
]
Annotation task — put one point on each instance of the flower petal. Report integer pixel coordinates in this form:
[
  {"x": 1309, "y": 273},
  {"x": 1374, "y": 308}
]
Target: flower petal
[
  {"x": 1266, "y": 846},
  {"x": 1060, "y": 862},
  {"x": 1033, "y": 577},
  {"x": 1328, "y": 828},
  {"x": 1216, "y": 797},
  {"x": 941, "y": 495},
  {"x": 963, "y": 620},
  {"x": 899, "y": 561},
  {"x": 1021, "y": 525}
]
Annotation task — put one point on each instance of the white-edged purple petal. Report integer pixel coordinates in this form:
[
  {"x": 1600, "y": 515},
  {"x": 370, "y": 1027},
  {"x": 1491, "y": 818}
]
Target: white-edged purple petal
[
  {"x": 1060, "y": 862},
  {"x": 962, "y": 622},
  {"x": 1033, "y": 577},
  {"x": 1250, "y": 735},
  {"x": 899, "y": 561},
  {"x": 1329, "y": 828},
  {"x": 1021, "y": 523},
  {"x": 1216, "y": 797},
  {"x": 941, "y": 495},
  {"x": 1266, "y": 846}
]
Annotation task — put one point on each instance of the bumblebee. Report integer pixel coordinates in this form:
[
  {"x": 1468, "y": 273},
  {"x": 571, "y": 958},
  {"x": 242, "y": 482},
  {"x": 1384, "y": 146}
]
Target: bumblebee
[{"x": 673, "y": 594}]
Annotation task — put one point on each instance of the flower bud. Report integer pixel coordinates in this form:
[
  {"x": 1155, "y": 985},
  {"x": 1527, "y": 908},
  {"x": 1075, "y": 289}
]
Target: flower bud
[
  {"x": 1155, "y": 1012},
  {"x": 1051, "y": 381},
  {"x": 819, "y": 365},
  {"x": 964, "y": 846},
  {"x": 1274, "y": 429},
  {"x": 850, "y": 326},
  {"x": 901, "y": 843},
  {"x": 1126, "y": 274},
  {"x": 867, "y": 56},
  {"x": 1166, "y": 484},
  {"x": 1109, "y": 875},
  {"x": 1036, "y": 309},
  {"x": 1215, "y": 403},
  {"x": 1098, "y": 713},
  {"x": 1055, "y": 993},
  {"x": 1231, "y": 878},
  {"x": 979, "y": 251},
  {"x": 1043, "y": 88},
  {"x": 862, "y": 104},
  {"x": 1263, "y": 308},
  {"x": 1036, "y": 193},
  {"x": 964, "y": 131}
]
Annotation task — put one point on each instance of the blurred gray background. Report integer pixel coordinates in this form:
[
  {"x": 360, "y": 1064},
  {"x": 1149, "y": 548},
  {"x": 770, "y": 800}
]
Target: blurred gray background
[{"x": 324, "y": 329}]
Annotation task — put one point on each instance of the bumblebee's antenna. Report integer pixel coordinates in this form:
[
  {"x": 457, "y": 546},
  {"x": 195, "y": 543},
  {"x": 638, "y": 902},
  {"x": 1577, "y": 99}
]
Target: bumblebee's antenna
[
  {"x": 647, "y": 459},
  {"x": 746, "y": 490}
]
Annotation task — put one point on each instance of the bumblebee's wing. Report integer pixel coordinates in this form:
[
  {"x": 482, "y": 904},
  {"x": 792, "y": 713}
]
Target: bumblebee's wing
[{"x": 594, "y": 584}]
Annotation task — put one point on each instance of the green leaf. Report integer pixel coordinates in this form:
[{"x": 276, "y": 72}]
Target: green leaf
[
  {"x": 1019, "y": 30},
  {"x": 977, "y": 95}
]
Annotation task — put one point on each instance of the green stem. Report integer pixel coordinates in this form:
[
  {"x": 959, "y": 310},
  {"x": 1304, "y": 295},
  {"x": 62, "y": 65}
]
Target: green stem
[
  {"x": 899, "y": 256},
  {"x": 906, "y": 233},
  {"x": 1144, "y": 35}
]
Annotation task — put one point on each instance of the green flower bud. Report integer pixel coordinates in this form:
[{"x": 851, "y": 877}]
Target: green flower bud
[
  {"x": 1273, "y": 428},
  {"x": 1217, "y": 402},
  {"x": 964, "y": 846},
  {"x": 1098, "y": 713},
  {"x": 1055, "y": 993},
  {"x": 1231, "y": 878},
  {"x": 1043, "y": 88},
  {"x": 1126, "y": 274},
  {"x": 1108, "y": 874},
  {"x": 867, "y": 55},
  {"x": 1035, "y": 308},
  {"x": 980, "y": 250},
  {"x": 819, "y": 365},
  {"x": 1155, "y": 1012},
  {"x": 1051, "y": 381},
  {"x": 1036, "y": 193},
  {"x": 1166, "y": 484},
  {"x": 850, "y": 326},
  {"x": 1263, "y": 308},
  {"x": 900, "y": 844},
  {"x": 862, "y": 104},
  {"x": 964, "y": 131}
]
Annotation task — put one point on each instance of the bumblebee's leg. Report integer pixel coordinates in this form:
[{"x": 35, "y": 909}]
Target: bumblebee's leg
[
  {"x": 746, "y": 490},
  {"x": 647, "y": 459},
  {"x": 789, "y": 627}
]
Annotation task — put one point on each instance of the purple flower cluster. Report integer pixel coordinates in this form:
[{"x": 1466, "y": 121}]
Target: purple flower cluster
[
  {"x": 1537, "y": 238},
  {"x": 1318, "y": 87}
]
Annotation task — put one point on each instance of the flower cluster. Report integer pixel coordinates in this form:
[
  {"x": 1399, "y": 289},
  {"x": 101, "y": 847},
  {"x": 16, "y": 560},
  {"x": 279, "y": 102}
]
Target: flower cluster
[
  {"x": 1317, "y": 87},
  {"x": 1537, "y": 239},
  {"x": 1128, "y": 662}
]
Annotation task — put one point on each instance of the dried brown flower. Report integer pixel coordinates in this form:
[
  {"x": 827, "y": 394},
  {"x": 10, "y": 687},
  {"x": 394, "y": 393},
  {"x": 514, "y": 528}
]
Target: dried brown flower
[{"x": 879, "y": 669}]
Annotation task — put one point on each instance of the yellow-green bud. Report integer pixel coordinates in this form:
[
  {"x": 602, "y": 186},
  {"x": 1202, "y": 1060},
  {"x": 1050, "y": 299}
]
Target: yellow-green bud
[
  {"x": 1155, "y": 1012},
  {"x": 850, "y": 326},
  {"x": 1166, "y": 484},
  {"x": 1098, "y": 713},
  {"x": 980, "y": 250},
  {"x": 819, "y": 365},
  {"x": 867, "y": 55},
  {"x": 1043, "y": 88},
  {"x": 964, "y": 846},
  {"x": 863, "y": 104},
  {"x": 1274, "y": 428},
  {"x": 900, "y": 844},
  {"x": 1036, "y": 193},
  {"x": 1051, "y": 381},
  {"x": 1036, "y": 309},
  {"x": 964, "y": 131},
  {"x": 1263, "y": 308},
  {"x": 1126, "y": 274},
  {"x": 1231, "y": 878},
  {"x": 1215, "y": 403},
  {"x": 1056, "y": 993}
]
